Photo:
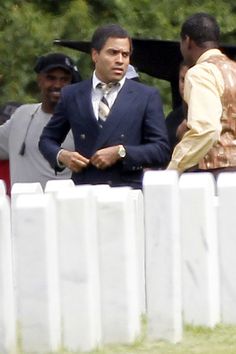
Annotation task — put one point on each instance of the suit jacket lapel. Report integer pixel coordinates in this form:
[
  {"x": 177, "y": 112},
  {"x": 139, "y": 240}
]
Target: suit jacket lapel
[
  {"x": 117, "y": 113},
  {"x": 84, "y": 102}
]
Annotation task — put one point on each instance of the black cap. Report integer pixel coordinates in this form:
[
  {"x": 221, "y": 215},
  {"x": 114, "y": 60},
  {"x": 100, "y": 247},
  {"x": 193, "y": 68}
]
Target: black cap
[{"x": 51, "y": 61}]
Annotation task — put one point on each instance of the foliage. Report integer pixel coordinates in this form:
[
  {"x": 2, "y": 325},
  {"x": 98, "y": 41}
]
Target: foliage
[
  {"x": 28, "y": 28},
  {"x": 26, "y": 32}
]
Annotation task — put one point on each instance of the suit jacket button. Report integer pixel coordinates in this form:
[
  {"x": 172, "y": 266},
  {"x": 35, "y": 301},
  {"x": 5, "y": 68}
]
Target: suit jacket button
[{"x": 82, "y": 136}]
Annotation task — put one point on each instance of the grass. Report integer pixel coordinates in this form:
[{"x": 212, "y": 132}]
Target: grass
[{"x": 196, "y": 340}]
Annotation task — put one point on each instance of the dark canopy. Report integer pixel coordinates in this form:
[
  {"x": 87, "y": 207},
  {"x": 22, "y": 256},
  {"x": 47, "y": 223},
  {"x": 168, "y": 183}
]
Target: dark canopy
[{"x": 157, "y": 58}]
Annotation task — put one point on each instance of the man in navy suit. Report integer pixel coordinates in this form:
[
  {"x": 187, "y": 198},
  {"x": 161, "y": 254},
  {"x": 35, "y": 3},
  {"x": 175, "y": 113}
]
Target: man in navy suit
[{"x": 133, "y": 135}]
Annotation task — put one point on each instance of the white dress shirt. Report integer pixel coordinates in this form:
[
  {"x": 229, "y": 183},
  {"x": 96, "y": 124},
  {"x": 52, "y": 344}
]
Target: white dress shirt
[{"x": 97, "y": 93}]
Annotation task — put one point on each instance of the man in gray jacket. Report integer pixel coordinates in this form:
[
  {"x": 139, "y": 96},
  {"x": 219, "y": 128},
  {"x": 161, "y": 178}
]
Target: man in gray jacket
[{"x": 19, "y": 136}]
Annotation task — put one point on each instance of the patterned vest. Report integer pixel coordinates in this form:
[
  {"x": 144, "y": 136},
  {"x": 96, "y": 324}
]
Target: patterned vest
[{"x": 223, "y": 152}]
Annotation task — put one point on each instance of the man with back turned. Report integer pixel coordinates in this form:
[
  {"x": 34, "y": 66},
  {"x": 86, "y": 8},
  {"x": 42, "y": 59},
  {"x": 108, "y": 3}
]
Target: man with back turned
[{"x": 210, "y": 93}]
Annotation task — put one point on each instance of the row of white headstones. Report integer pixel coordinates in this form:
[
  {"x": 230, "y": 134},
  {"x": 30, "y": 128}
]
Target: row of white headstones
[{"x": 80, "y": 265}]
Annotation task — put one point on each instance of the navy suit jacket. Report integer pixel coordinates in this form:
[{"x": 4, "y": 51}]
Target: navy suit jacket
[{"x": 136, "y": 121}]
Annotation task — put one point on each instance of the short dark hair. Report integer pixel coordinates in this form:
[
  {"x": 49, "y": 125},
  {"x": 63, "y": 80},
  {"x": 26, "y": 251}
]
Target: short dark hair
[
  {"x": 201, "y": 27},
  {"x": 102, "y": 34}
]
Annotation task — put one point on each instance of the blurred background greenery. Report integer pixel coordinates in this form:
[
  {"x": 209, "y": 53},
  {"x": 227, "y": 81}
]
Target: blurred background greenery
[{"x": 28, "y": 28}]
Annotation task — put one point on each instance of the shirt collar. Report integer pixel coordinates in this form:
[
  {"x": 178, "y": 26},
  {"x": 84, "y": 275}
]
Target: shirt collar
[
  {"x": 96, "y": 81},
  {"x": 209, "y": 53}
]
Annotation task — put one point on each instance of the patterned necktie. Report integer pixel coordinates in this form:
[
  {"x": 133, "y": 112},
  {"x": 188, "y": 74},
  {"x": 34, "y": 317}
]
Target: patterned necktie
[{"x": 103, "y": 107}]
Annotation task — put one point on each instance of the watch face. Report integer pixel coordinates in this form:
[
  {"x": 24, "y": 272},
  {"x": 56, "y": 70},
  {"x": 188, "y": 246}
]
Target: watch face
[{"x": 122, "y": 151}]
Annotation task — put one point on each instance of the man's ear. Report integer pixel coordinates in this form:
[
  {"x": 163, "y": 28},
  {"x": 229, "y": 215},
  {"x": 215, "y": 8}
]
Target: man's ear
[
  {"x": 94, "y": 55},
  {"x": 190, "y": 43},
  {"x": 39, "y": 80}
]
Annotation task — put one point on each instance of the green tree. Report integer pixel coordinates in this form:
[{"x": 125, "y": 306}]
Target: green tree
[{"x": 28, "y": 28}]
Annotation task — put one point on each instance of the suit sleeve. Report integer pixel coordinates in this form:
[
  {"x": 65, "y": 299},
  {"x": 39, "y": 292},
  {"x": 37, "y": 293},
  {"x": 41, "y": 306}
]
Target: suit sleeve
[{"x": 53, "y": 135}]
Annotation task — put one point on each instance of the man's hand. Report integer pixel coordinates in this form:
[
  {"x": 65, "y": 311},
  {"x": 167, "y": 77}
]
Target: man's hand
[
  {"x": 106, "y": 157},
  {"x": 73, "y": 160}
]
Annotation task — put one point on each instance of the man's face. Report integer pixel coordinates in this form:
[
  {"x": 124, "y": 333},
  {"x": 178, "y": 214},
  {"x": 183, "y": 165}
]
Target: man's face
[
  {"x": 51, "y": 84},
  {"x": 182, "y": 74},
  {"x": 112, "y": 61}
]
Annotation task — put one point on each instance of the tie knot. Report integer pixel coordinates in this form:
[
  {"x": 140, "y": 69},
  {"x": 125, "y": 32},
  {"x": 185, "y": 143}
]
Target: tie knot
[{"x": 106, "y": 88}]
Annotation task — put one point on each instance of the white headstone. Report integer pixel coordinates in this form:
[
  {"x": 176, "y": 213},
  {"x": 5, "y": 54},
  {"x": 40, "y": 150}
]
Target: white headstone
[
  {"x": 137, "y": 197},
  {"x": 17, "y": 190},
  {"x": 36, "y": 264},
  {"x": 54, "y": 186},
  {"x": 2, "y": 187},
  {"x": 118, "y": 266},
  {"x": 226, "y": 185},
  {"x": 8, "y": 340},
  {"x": 24, "y": 188},
  {"x": 95, "y": 189},
  {"x": 163, "y": 278},
  {"x": 79, "y": 269},
  {"x": 200, "y": 261}
]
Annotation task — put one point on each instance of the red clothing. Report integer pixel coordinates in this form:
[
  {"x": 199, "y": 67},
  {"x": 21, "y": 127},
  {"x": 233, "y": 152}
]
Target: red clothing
[{"x": 5, "y": 174}]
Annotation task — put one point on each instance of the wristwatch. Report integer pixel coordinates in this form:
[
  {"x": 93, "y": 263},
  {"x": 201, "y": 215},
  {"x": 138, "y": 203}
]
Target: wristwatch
[{"x": 121, "y": 151}]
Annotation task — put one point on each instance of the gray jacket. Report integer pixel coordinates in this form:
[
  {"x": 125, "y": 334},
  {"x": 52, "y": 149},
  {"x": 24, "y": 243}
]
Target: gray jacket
[{"x": 24, "y": 128}]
